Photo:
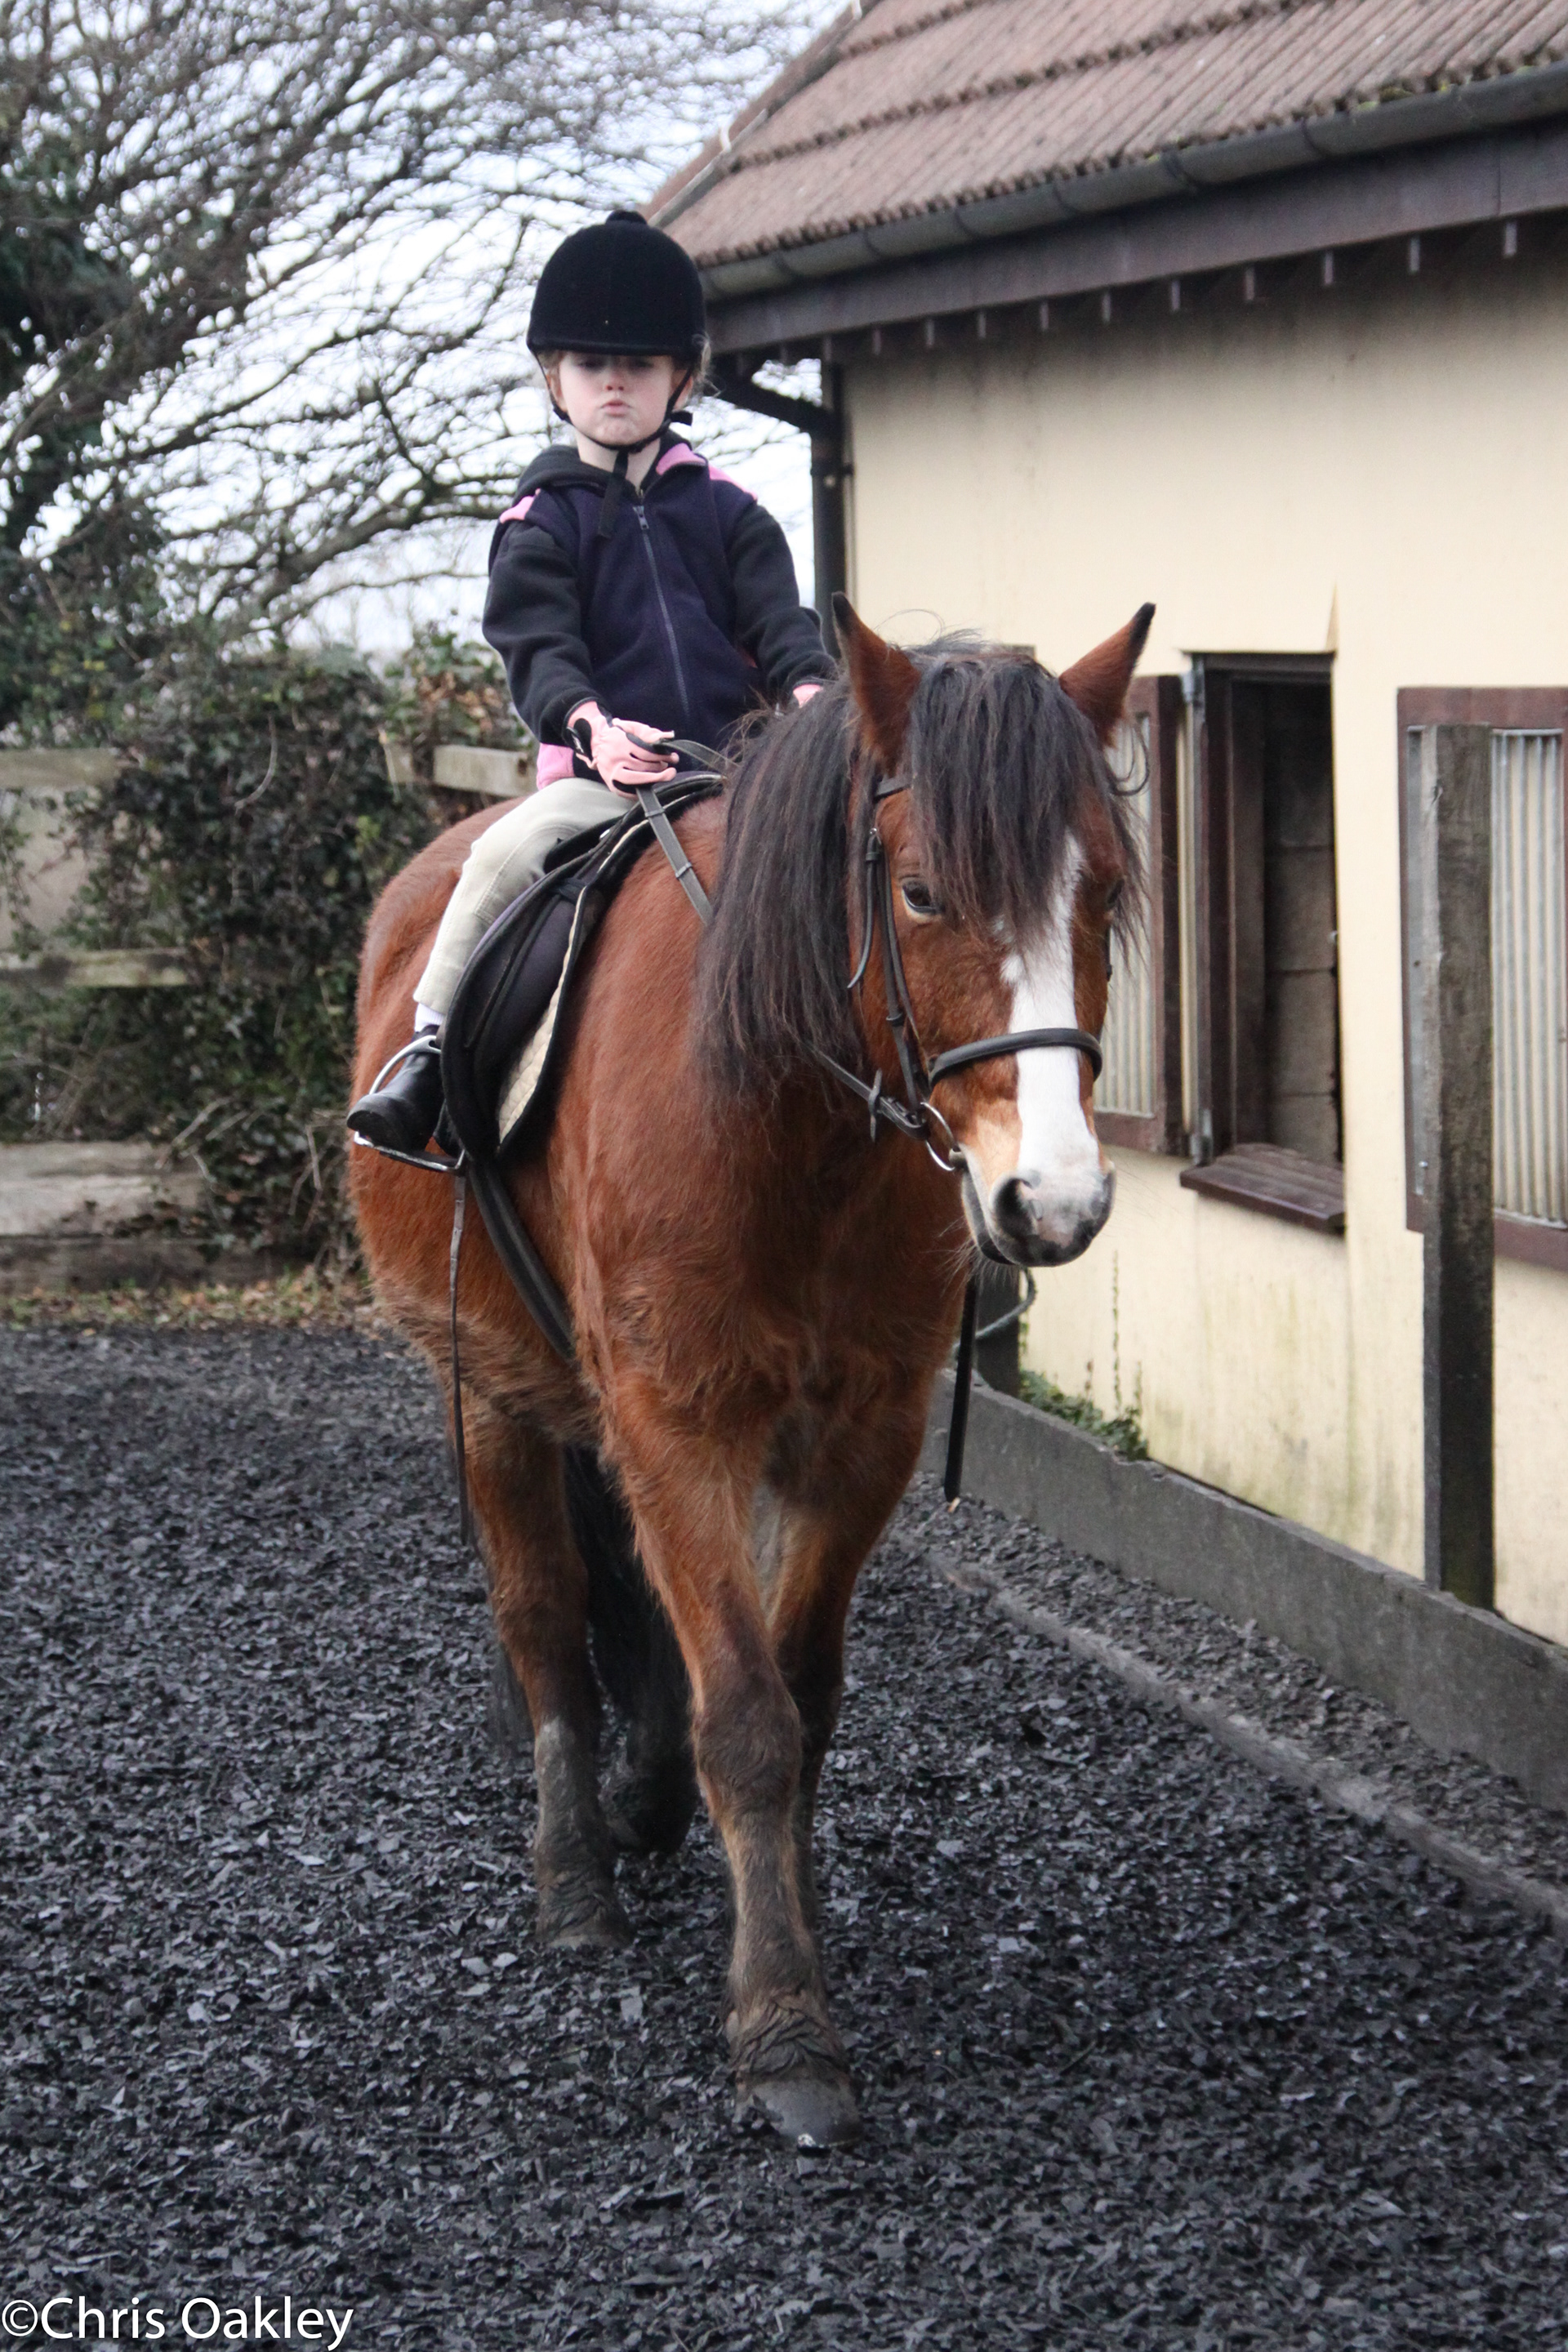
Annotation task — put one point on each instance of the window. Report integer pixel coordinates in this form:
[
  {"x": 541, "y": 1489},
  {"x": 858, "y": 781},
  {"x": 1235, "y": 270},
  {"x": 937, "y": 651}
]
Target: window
[
  {"x": 1138, "y": 1098},
  {"x": 1266, "y": 977},
  {"x": 1530, "y": 957}
]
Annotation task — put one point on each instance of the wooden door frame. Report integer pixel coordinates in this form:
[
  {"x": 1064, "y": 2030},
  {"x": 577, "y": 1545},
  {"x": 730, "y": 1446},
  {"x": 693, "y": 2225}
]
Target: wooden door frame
[
  {"x": 1160, "y": 701},
  {"x": 1535, "y": 709}
]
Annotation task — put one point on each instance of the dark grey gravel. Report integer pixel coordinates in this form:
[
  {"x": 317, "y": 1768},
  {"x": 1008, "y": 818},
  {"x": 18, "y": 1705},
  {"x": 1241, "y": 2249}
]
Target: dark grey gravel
[
  {"x": 1255, "y": 1676},
  {"x": 1151, "y": 2053}
]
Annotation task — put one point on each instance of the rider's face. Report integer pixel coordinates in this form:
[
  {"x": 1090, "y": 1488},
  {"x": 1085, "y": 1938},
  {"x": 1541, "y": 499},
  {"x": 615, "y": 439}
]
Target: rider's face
[{"x": 618, "y": 400}]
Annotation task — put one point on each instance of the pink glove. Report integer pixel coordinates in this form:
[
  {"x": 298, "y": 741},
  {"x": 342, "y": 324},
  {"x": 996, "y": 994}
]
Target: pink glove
[{"x": 625, "y": 754}]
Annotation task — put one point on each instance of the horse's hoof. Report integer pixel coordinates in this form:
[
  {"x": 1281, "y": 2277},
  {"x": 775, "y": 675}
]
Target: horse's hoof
[
  {"x": 812, "y": 2109},
  {"x": 582, "y": 1915},
  {"x": 790, "y": 2067}
]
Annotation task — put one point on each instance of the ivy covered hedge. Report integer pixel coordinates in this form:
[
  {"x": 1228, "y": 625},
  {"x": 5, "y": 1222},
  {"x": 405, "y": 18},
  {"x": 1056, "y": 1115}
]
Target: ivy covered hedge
[{"x": 250, "y": 826}]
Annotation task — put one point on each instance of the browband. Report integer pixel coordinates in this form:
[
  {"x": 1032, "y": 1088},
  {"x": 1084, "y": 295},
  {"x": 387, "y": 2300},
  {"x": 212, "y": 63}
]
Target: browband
[{"x": 1017, "y": 1041}]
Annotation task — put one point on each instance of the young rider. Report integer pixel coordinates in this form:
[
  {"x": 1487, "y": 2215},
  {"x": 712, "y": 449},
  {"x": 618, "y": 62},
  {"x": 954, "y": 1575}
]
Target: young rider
[{"x": 627, "y": 576}]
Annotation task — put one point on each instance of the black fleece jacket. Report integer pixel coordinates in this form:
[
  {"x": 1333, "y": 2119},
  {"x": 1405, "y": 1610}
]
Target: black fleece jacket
[{"x": 686, "y": 616}]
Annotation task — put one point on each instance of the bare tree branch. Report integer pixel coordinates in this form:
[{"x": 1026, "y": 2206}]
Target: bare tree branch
[{"x": 266, "y": 264}]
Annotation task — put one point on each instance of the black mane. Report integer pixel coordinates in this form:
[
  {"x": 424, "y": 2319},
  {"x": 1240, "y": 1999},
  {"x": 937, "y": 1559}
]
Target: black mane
[{"x": 997, "y": 760}]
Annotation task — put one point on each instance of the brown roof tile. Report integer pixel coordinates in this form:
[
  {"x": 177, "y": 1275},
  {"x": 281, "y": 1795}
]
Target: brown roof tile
[{"x": 916, "y": 105}]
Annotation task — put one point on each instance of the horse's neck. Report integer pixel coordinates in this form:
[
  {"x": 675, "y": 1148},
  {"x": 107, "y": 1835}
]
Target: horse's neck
[{"x": 877, "y": 1201}]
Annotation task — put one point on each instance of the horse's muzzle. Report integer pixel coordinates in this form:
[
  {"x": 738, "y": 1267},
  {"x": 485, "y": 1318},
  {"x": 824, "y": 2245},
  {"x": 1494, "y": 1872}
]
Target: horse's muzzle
[{"x": 1028, "y": 1223}]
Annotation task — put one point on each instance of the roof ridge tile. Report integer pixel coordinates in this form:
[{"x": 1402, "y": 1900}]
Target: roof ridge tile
[{"x": 863, "y": 40}]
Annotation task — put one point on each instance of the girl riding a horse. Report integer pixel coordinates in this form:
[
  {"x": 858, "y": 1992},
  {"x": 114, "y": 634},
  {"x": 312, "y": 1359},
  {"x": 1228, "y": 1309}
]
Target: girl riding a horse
[{"x": 627, "y": 574}]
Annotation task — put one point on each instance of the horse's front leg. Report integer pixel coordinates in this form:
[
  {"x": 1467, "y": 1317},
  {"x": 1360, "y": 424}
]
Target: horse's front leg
[
  {"x": 539, "y": 1597},
  {"x": 692, "y": 1503},
  {"x": 833, "y": 1511}
]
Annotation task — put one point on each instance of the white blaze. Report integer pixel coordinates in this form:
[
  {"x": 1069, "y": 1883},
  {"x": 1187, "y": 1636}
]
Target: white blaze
[{"x": 1041, "y": 1161}]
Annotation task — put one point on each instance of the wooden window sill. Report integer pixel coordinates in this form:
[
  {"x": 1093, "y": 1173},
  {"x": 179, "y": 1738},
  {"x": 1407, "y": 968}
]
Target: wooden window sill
[{"x": 1281, "y": 1183}]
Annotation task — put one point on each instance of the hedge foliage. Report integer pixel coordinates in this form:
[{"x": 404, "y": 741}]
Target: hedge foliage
[
  {"x": 81, "y": 628},
  {"x": 444, "y": 691},
  {"x": 251, "y": 824}
]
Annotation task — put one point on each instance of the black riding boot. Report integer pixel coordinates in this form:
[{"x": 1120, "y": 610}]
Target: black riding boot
[{"x": 401, "y": 1116}]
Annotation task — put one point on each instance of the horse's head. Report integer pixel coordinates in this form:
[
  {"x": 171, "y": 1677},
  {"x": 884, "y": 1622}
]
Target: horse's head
[{"x": 1010, "y": 862}]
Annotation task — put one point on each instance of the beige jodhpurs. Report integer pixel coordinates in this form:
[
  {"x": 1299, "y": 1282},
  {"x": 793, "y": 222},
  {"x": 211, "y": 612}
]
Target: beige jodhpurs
[{"x": 501, "y": 866}]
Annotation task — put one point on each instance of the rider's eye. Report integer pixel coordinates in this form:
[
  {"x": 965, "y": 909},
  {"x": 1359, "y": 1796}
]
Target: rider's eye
[{"x": 918, "y": 898}]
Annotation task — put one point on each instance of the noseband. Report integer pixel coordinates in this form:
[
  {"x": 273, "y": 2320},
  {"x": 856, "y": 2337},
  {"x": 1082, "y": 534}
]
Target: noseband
[{"x": 914, "y": 1115}]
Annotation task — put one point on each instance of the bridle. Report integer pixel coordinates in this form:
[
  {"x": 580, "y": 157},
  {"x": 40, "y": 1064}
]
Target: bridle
[{"x": 915, "y": 1114}]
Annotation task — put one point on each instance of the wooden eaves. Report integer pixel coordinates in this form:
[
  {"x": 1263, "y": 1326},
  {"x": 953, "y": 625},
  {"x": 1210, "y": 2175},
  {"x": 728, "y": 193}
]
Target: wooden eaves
[{"x": 1495, "y": 151}]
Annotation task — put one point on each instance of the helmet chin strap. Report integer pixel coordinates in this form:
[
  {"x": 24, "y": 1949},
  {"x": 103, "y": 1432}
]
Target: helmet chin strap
[{"x": 614, "y": 489}]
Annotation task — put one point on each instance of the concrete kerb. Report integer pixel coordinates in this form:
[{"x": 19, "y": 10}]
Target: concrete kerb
[{"x": 1466, "y": 1680}]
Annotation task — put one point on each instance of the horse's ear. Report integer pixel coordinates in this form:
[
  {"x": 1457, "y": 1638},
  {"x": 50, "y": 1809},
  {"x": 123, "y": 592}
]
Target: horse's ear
[
  {"x": 883, "y": 681},
  {"x": 1098, "y": 683}
]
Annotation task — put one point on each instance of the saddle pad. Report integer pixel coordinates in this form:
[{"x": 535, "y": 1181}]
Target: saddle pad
[{"x": 500, "y": 1045}]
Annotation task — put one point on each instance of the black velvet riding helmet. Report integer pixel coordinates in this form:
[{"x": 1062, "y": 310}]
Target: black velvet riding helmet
[{"x": 619, "y": 287}]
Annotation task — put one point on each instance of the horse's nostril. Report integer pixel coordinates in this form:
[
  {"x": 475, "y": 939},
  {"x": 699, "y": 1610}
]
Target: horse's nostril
[{"x": 1010, "y": 1203}]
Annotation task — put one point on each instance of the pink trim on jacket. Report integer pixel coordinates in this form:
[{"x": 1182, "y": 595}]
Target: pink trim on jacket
[
  {"x": 519, "y": 513},
  {"x": 683, "y": 453},
  {"x": 556, "y": 762}
]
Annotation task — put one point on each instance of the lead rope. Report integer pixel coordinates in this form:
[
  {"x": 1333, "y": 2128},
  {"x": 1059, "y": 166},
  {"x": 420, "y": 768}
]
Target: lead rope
[
  {"x": 460, "y": 1202},
  {"x": 963, "y": 1385},
  {"x": 878, "y": 902},
  {"x": 917, "y": 1095},
  {"x": 912, "y": 1061}
]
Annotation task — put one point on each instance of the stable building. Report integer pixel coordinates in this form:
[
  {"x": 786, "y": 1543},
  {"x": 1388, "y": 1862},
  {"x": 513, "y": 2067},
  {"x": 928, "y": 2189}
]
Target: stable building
[{"x": 1259, "y": 313}]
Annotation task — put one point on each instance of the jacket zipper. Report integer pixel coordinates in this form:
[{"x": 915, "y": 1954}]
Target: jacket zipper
[{"x": 641, "y": 513}]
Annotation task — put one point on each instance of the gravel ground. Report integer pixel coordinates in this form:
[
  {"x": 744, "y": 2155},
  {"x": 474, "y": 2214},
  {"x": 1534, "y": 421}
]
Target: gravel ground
[
  {"x": 1256, "y": 1676},
  {"x": 1151, "y": 2053}
]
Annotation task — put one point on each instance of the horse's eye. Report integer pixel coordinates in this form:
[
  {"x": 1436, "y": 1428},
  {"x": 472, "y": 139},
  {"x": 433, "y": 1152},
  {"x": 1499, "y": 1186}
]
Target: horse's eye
[{"x": 918, "y": 901}]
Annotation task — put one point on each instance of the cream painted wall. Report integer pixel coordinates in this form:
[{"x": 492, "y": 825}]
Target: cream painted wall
[{"x": 1382, "y": 474}]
